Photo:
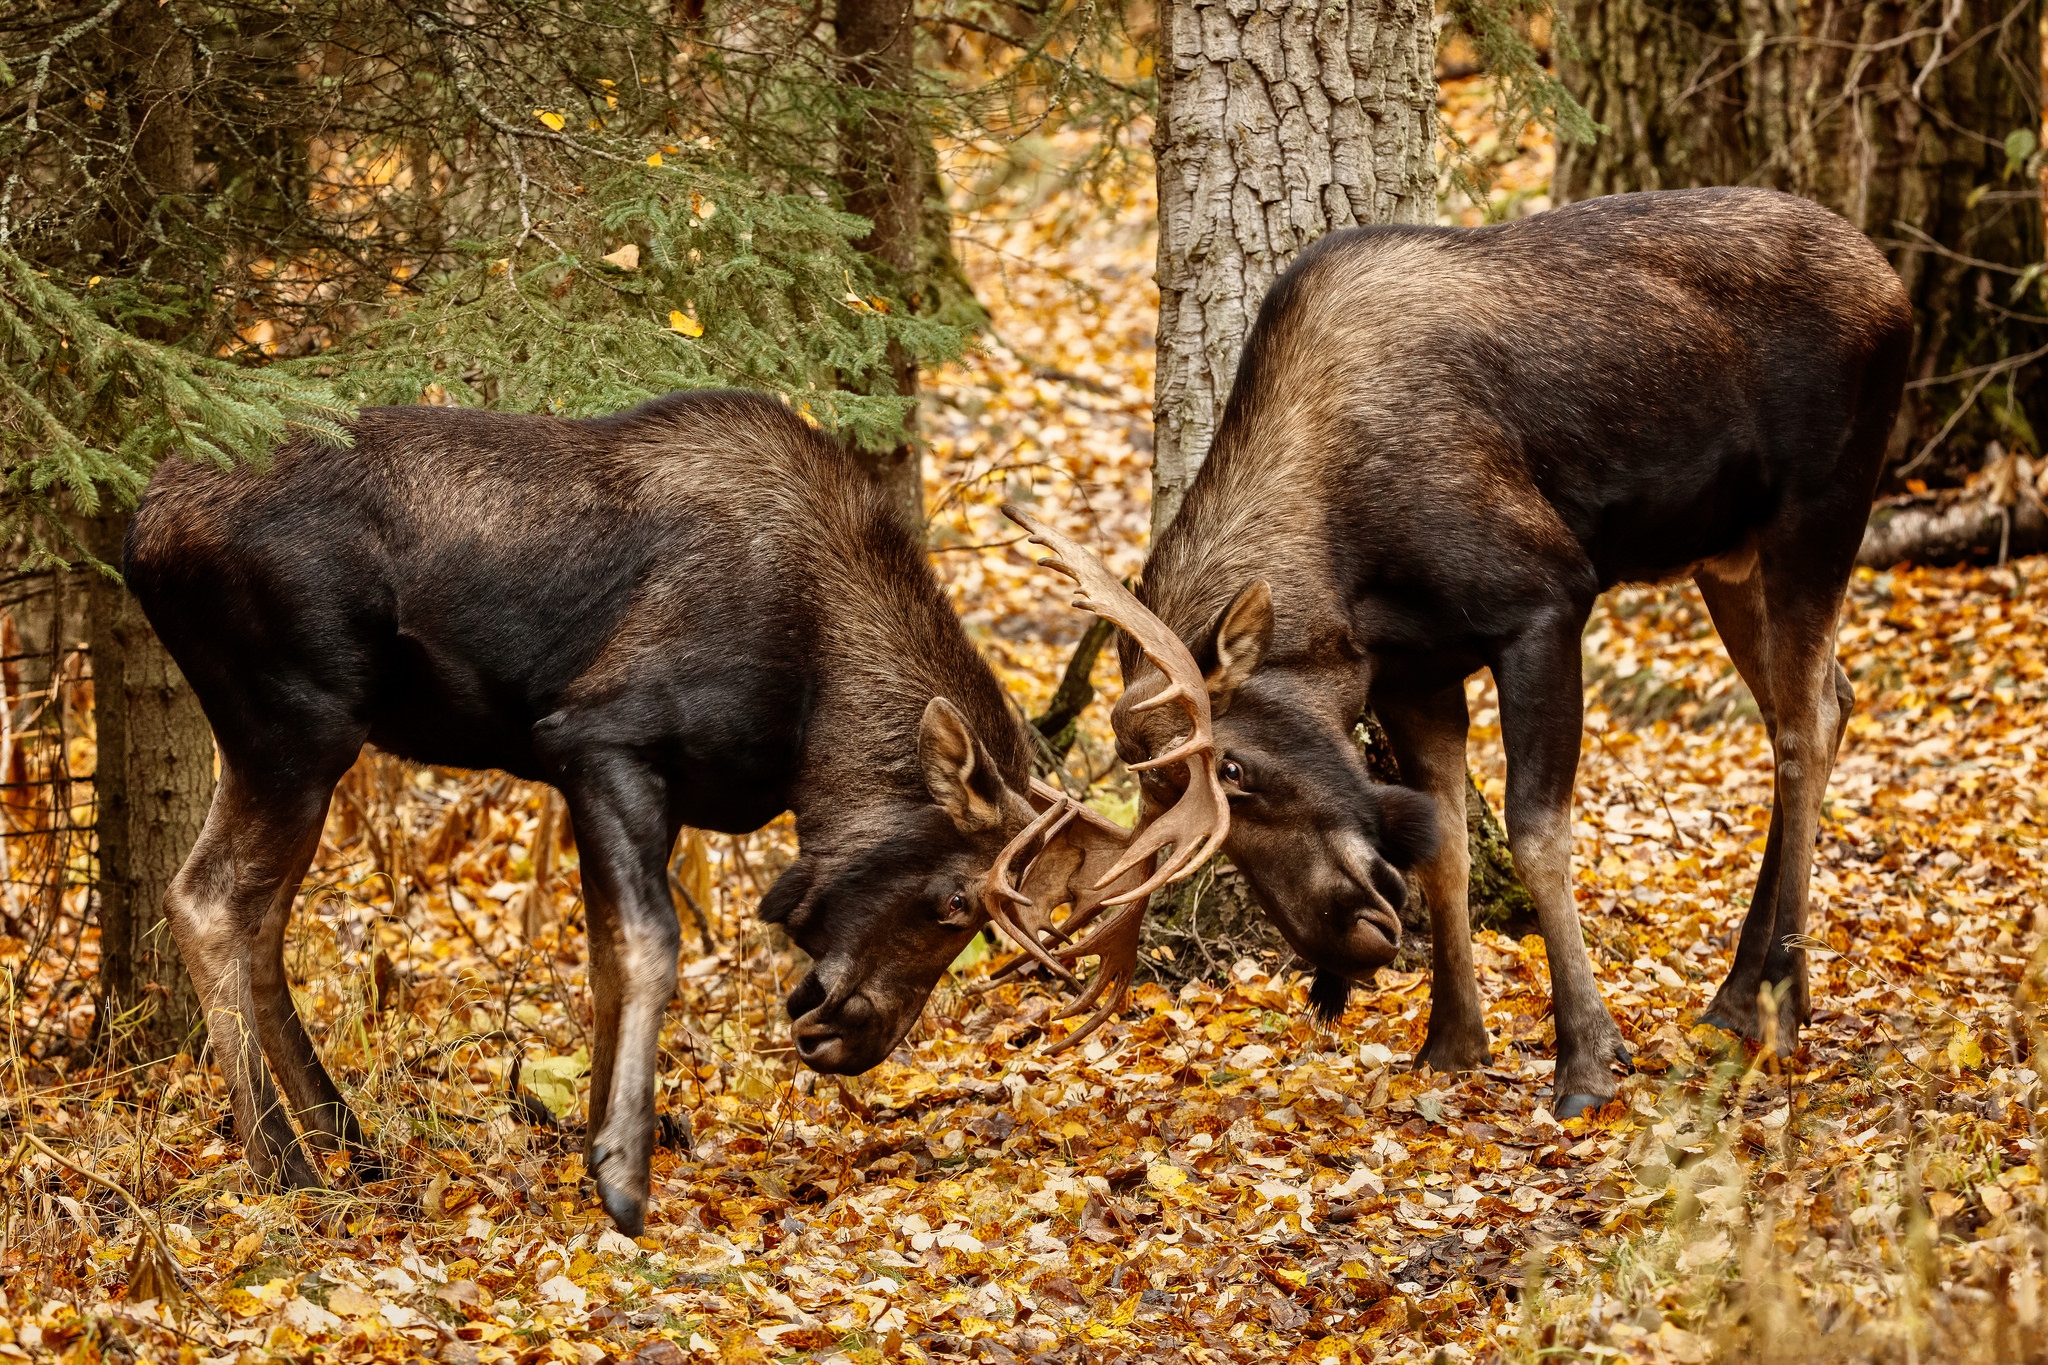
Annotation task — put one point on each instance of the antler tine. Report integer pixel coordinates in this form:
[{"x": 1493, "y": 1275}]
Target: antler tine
[
  {"x": 1109, "y": 990},
  {"x": 1018, "y": 915}
]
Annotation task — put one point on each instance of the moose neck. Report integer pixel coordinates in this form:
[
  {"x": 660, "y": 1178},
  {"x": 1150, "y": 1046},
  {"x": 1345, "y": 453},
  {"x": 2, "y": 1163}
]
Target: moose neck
[
  {"x": 1258, "y": 510},
  {"x": 885, "y": 643}
]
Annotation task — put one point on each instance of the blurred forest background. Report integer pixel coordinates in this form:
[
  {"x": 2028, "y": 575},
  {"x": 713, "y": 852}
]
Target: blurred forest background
[{"x": 1003, "y": 250}]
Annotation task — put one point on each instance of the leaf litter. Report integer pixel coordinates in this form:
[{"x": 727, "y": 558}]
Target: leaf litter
[{"x": 1215, "y": 1176}]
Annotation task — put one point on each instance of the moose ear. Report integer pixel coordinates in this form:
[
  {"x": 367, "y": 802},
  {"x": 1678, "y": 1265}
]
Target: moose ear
[
  {"x": 956, "y": 771},
  {"x": 1242, "y": 639}
]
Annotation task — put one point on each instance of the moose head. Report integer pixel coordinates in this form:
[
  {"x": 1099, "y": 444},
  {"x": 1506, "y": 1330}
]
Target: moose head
[
  {"x": 912, "y": 881},
  {"x": 1229, "y": 755}
]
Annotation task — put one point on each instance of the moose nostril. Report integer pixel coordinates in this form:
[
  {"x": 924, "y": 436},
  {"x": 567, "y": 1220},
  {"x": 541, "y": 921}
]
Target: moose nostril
[
  {"x": 809, "y": 994},
  {"x": 1391, "y": 885}
]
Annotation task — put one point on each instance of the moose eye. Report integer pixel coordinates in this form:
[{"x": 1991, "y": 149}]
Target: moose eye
[
  {"x": 958, "y": 904},
  {"x": 1231, "y": 771}
]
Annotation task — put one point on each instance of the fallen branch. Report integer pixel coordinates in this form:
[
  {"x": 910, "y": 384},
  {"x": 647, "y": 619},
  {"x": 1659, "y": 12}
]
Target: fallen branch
[{"x": 1998, "y": 515}]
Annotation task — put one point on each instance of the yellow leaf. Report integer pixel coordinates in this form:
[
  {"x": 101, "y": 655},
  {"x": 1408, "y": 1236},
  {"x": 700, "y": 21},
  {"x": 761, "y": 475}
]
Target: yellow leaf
[
  {"x": 701, "y": 206},
  {"x": 1073, "y": 1130},
  {"x": 349, "y": 1302},
  {"x": 552, "y": 1080},
  {"x": 611, "y": 101},
  {"x": 243, "y": 1304},
  {"x": 682, "y": 322},
  {"x": 654, "y": 159},
  {"x": 552, "y": 120},
  {"x": 626, "y": 257},
  {"x": 879, "y": 304},
  {"x": 1126, "y": 1311},
  {"x": 857, "y": 303},
  {"x": 1963, "y": 1052},
  {"x": 1165, "y": 1176},
  {"x": 91, "y": 282}
]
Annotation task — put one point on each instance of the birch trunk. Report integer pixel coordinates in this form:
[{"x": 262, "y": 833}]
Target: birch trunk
[{"x": 1279, "y": 120}]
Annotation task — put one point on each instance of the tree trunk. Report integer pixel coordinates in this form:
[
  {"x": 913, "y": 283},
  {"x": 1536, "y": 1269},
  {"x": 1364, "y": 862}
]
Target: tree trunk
[
  {"x": 882, "y": 172},
  {"x": 1917, "y": 120},
  {"x": 152, "y": 783},
  {"x": 1279, "y": 120},
  {"x": 153, "y": 778}
]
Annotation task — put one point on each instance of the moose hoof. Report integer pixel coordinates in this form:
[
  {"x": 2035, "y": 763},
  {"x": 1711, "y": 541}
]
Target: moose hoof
[
  {"x": 1571, "y": 1106},
  {"x": 629, "y": 1214}
]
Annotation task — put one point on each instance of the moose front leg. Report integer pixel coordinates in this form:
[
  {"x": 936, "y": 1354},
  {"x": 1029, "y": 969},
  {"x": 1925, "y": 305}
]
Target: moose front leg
[
  {"x": 618, "y": 805},
  {"x": 1428, "y": 737},
  {"x": 1542, "y": 719}
]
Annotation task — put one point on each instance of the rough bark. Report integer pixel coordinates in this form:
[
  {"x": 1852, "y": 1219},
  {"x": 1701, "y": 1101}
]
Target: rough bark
[
  {"x": 152, "y": 783},
  {"x": 153, "y": 777},
  {"x": 882, "y": 171},
  {"x": 1279, "y": 120},
  {"x": 1895, "y": 113}
]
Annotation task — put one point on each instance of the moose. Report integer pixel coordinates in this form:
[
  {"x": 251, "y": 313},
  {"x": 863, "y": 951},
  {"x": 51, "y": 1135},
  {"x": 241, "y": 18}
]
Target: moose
[
  {"x": 1441, "y": 445},
  {"x": 698, "y": 612}
]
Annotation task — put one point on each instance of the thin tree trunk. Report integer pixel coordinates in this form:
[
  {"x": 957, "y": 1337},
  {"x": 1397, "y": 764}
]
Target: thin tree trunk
[
  {"x": 882, "y": 170},
  {"x": 1898, "y": 114},
  {"x": 153, "y": 777},
  {"x": 1279, "y": 121}
]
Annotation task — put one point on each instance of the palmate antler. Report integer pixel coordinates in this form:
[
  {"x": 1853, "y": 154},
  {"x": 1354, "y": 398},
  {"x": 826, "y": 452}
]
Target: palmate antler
[{"x": 1087, "y": 862}]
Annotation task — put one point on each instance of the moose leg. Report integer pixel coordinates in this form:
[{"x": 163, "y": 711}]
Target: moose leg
[
  {"x": 1542, "y": 722},
  {"x": 323, "y": 1114},
  {"x": 618, "y": 804},
  {"x": 1739, "y": 614},
  {"x": 1428, "y": 737},
  {"x": 1810, "y": 703},
  {"x": 217, "y": 905}
]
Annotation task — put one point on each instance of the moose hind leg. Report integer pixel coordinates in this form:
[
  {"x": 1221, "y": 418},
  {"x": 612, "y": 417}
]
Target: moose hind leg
[
  {"x": 1785, "y": 652},
  {"x": 1740, "y": 618},
  {"x": 1811, "y": 720},
  {"x": 217, "y": 905},
  {"x": 1428, "y": 738},
  {"x": 618, "y": 804}
]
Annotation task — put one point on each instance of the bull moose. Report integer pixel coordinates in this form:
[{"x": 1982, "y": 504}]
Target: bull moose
[
  {"x": 698, "y": 612},
  {"x": 1441, "y": 445}
]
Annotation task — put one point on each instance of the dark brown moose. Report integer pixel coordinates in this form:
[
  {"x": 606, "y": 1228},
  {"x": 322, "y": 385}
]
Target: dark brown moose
[
  {"x": 1441, "y": 446},
  {"x": 695, "y": 613}
]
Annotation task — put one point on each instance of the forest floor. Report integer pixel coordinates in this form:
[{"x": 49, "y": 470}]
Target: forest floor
[{"x": 1213, "y": 1177}]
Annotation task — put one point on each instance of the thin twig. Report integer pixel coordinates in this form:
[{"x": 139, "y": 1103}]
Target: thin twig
[{"x": 35, "y": 96}]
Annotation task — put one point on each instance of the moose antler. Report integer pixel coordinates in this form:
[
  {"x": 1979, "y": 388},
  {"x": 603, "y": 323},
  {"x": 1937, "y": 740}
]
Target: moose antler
[
  {"x": 1197, "y": 824},
  {"x": 1089, "y": 863},
  {"x": 1075, "y": 848}
]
